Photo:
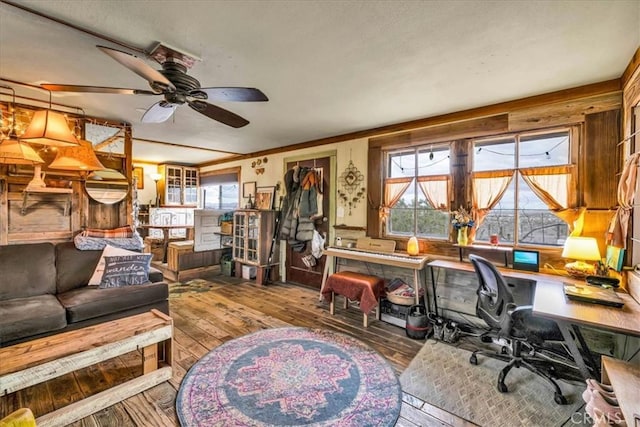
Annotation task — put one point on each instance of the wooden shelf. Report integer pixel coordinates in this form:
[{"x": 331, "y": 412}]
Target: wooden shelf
[
  {"x": 66, "y": 192},
  {"x": 624, "y": 377}
]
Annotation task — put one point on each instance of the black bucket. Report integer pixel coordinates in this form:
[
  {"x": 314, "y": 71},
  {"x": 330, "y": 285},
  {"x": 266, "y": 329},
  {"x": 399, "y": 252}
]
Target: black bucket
[{"x": 418, "y": 325}]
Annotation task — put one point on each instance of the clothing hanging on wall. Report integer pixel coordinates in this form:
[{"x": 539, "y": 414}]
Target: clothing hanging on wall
[{"x": 300, "y": 206}]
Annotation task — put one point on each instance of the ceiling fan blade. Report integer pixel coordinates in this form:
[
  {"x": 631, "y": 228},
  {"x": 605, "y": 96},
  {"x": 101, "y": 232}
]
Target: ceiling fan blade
[
  {"x": 138, "y": 66},
  {"x": 240, "y": 94},
  {"x": 95, "y": 89},
  {"x": 158, "y": 112},
  {"x": 219, "y": 114}
]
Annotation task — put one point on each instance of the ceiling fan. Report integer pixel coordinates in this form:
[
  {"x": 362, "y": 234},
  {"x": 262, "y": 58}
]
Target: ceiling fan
[{"x": 175, "y": 85}]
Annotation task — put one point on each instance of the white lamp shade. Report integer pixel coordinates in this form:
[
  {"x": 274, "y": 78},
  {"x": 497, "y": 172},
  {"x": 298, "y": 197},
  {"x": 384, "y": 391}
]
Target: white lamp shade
[
  {"x": 49, "y": 128},
  {"x": 581, "y": 248},
  {"x": 15, "y": 152}
]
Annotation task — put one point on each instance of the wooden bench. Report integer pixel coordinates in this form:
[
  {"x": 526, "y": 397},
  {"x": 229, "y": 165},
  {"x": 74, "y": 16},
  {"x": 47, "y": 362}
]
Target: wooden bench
[
  {"x": 26, "y": 364},
  {"x": 364, "y": 288}
]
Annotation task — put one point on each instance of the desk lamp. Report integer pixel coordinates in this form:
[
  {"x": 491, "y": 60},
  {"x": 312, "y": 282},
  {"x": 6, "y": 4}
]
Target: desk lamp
[{"x": 580, "y": 249}]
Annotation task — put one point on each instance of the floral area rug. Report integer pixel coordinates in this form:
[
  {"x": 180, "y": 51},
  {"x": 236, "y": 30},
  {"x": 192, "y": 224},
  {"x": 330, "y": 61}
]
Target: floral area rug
[{"x": 290, "y": 377}]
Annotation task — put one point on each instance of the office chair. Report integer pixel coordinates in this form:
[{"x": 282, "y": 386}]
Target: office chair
[{"x": 525, "y": 333}]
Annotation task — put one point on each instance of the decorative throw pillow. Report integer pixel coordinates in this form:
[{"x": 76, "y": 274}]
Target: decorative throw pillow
[
  {"x": 107, "y": 251},
  {"x": 125, "y": 270}
]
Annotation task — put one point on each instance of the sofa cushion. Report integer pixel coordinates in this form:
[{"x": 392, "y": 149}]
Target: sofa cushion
[
  {"x": 90, "y": 302},
  {"x": 126, "y": 270},
  {"x": 74, "y": 267},
  {"x": 24, "y": 317},
  {"x": 27, "y": 270}
]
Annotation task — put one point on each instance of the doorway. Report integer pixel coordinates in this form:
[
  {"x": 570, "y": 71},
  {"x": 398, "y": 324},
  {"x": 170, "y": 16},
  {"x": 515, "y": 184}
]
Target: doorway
[{"x": 295, "y": 269}]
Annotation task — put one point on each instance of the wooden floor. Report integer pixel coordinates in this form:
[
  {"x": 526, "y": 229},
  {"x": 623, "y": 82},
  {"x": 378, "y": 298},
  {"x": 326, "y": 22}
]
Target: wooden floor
[{"x": 204, "y": 320}]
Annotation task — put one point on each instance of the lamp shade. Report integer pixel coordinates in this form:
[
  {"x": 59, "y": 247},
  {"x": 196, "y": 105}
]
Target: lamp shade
[
  {"x": 15, "y": 152},
  {"x": 581, "y": 248},
  {"x": 156, "y": 176},
  {"x": 77, "y": 158},
  {"x": 49, "y": 128}
]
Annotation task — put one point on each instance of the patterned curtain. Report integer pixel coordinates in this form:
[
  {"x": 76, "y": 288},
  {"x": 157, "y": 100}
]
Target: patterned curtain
[
  {"x": 555, "y": 185},
  {"x": 488, "y": 187},
  {"x": 436, "y": 189}
]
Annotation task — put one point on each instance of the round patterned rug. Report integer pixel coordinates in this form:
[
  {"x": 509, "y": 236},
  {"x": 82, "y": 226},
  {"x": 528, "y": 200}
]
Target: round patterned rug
[{"x": 290, "y": 377}]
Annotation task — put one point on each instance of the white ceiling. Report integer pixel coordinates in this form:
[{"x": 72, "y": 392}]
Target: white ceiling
[{"x": 328, "y": 67}]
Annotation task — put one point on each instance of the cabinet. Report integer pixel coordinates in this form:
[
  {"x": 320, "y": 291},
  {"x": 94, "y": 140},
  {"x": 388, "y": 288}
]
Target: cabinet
[
  {"x": 178, "y": 185},
  {"x": 252, "y": 237}
]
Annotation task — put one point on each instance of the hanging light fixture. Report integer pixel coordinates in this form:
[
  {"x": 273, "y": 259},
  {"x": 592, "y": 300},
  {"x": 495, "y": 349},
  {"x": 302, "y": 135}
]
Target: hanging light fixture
[
  {"x": 12, "y": 151},
  {"x": 48, "y": 127},
  {"x": 78, "y": 158}
]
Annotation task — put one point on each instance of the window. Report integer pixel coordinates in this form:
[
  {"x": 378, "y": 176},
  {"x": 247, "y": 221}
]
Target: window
[
  {"x": 221, "y": 196},
  {"x": 521, "y": 215},
  {"x": 417, "y": 192},
  {"x": 220, "y": 190}
]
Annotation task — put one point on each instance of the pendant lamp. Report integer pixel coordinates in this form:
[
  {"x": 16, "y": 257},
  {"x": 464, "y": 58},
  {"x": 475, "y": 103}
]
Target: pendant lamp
[
  {"x": 48, "y": 127},
  {"x": 77, "y": 158},
  {"x": 12, "y": 151}
]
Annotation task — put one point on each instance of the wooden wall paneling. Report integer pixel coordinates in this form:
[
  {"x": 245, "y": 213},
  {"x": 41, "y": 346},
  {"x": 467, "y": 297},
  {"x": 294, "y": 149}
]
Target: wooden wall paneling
[
  {"x": 563, "y": 113},
  {"x": 601, "y": 159},
  {"x": 481, "y": 126},
  {"x": 374, "y": 191}
]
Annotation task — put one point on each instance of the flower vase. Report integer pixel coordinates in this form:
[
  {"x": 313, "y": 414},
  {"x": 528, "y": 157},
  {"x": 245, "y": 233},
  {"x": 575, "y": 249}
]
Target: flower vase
[{"x": 463, "y": 238}]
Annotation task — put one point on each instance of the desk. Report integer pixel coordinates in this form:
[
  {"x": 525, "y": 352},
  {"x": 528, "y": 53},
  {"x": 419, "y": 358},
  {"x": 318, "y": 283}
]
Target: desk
[
  {"x": 165, "y": 234},
  {"x": 549, "y": 301}
]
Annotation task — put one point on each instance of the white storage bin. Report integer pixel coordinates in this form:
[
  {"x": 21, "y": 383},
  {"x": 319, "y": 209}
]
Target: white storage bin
[{"x": 249, "y": 272}]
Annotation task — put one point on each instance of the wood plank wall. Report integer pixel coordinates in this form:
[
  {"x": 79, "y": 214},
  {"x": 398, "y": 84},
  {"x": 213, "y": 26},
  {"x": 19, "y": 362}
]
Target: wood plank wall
[
  {"x": 44, "y": 220},
  {"x": 593, "y": 112}
]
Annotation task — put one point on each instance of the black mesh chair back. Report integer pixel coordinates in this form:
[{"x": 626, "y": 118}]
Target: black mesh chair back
[{"x": 494, "y": 296}]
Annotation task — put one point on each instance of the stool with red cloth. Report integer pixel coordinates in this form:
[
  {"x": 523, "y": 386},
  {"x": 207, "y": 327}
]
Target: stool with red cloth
[{"x": 364, "y": 288}]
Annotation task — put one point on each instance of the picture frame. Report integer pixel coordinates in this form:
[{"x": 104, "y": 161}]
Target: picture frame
[
  {"x": 138, "y": 173},
  {"x": 614, "y": 258},
  {"x": 249, "y": 189},
  {"x": 264, "y": 197}
]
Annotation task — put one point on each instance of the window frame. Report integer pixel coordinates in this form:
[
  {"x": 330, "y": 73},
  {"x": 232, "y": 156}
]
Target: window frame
[
  {"x": 416, "y": 151},
  {"x": 574, "y": 134}
]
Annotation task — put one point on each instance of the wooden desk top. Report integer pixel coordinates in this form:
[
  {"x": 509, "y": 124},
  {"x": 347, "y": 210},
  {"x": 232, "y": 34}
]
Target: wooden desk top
[
  {"x": 550, "y": 301},
  {"x": 485, "y": 247}
]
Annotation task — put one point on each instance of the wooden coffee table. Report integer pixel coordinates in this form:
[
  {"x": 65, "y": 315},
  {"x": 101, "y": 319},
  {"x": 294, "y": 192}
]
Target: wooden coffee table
[{"x": 36, "y": 361}]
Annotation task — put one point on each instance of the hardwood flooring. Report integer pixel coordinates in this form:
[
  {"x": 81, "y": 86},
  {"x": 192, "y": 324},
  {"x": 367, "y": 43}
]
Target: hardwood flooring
[{"x": 203, "y": 320}]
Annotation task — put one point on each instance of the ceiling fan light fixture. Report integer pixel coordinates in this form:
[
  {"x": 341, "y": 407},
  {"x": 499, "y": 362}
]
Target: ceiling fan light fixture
[{"x": 49, "y": 127}]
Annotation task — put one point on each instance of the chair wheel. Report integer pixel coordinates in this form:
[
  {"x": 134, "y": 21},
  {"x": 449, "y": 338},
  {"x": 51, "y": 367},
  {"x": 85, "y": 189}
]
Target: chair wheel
[
  {"x": 504, "y": 350},
  {"x": 473, "y": 359},
  {"x": 559, "y": 399},
  {"x": 502, "y": 388}
]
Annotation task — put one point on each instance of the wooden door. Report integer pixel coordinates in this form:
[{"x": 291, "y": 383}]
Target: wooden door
[{"x": 296, "y": 270}]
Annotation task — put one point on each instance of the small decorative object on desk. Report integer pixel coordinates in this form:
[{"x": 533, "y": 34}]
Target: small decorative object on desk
[{"x": 462, "y": 221}]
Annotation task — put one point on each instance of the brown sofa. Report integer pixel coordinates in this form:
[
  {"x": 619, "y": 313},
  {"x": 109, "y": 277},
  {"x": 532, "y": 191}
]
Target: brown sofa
[{"x": 43, "y": 291}]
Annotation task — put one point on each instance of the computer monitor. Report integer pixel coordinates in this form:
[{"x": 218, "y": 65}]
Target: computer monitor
[{"x": 526, "y": 260}]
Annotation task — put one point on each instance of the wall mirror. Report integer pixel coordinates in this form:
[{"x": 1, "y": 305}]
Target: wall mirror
[{"x": 107, "y": 186}]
